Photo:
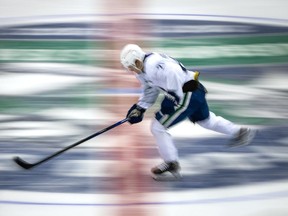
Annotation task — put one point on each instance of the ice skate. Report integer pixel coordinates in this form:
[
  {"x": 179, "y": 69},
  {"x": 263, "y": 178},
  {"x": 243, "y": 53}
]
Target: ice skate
[
  {"x": 158, "y": 172},
  {"x": 244, "y": 137}
]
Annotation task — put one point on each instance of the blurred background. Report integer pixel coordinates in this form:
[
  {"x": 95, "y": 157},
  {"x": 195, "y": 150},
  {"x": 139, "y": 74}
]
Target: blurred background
[{"x": 61, "y": 80}]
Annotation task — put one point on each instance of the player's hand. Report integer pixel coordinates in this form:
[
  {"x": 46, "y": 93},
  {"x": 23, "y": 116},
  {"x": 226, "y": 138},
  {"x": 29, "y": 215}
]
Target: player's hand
[
  {"x": 169, "y": 103},
  {"x": 135, "y": 114},
  {"x": 190, "y": 86},
  {"x": 167, "y": 106}
]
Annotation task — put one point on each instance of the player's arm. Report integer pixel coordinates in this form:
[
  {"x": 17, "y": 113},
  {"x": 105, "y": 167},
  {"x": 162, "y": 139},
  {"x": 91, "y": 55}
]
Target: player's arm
[
  {"x": 173, "y": 83},
  {"x": 148, "y": 96},
  {"x": 192, "y": 84},
  {"x": 172, "y": 88},
  {"x": 146, "y": 100}
]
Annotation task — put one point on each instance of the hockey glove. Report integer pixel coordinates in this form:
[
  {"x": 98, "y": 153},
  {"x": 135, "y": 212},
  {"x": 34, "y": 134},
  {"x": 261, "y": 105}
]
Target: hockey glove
[
  {"x": 191, "y": 85},
  {"x": 135, "y": 114},
  {"x": 169, "y": 103}
]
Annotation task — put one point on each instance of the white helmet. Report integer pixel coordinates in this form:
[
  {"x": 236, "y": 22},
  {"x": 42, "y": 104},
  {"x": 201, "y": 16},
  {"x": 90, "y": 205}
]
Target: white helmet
[{"x": 130, "y": 53}]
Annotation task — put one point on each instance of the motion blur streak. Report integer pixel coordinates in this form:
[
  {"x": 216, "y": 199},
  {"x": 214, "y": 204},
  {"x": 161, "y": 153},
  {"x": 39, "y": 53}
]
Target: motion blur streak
[
  {"x": 130, "y": 178},
  {"x": 61, "y": 80}
]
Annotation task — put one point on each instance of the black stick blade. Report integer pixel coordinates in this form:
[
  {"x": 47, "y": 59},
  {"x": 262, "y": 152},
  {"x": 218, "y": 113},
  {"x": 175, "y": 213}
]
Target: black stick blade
[{"x": 22, "y": 163}]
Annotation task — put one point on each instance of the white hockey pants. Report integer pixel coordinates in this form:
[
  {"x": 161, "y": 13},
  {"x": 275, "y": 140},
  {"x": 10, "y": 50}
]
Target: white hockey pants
[{"x": 166, "y": 147}]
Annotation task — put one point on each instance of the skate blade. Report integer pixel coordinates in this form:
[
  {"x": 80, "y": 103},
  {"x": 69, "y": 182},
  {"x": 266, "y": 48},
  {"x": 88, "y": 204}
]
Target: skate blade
[{"x": 166, "y": 177}]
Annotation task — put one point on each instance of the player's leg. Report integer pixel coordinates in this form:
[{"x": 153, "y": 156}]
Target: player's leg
[
  {"x": 240, "y": 135},
  {"x": 219, "y": 124},
  {"x": 167, "y": 150},
  {"x": 166, "y": 147}
]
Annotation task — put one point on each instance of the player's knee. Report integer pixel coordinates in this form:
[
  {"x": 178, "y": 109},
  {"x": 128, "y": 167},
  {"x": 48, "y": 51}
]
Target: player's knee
[
  {"x": 157, "y": 127},
  {"x": 208, "y": 122}
]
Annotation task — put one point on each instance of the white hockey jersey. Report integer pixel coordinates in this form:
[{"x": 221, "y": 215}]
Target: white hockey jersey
[{"x": 162, "y": 72}]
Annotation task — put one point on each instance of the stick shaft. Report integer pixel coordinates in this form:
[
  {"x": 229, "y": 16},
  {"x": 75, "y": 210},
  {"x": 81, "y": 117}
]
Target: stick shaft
[{"x": 77, "y": 143}]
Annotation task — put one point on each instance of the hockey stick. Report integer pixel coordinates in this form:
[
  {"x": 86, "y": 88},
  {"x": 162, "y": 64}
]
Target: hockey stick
[{"x": 27, "y": 165}]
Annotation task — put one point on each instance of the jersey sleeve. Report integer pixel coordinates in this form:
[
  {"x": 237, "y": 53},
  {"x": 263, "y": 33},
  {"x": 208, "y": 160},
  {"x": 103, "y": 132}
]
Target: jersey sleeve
[
  {"x": 173, "y": 77},
  {"x": 148, "y": 97}
]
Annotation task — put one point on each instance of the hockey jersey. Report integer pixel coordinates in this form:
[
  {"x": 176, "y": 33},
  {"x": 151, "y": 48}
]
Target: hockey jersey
[{"x": 162, "y": 73}]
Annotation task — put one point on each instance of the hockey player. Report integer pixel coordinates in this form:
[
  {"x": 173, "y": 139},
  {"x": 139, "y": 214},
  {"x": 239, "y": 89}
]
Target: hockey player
[{"x": 184, "y": 98}]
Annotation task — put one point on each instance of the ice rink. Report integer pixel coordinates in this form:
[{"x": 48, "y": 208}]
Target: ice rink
[
  {"x": 217, "y": 180},
  {"x": 56, "y": 95}
]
